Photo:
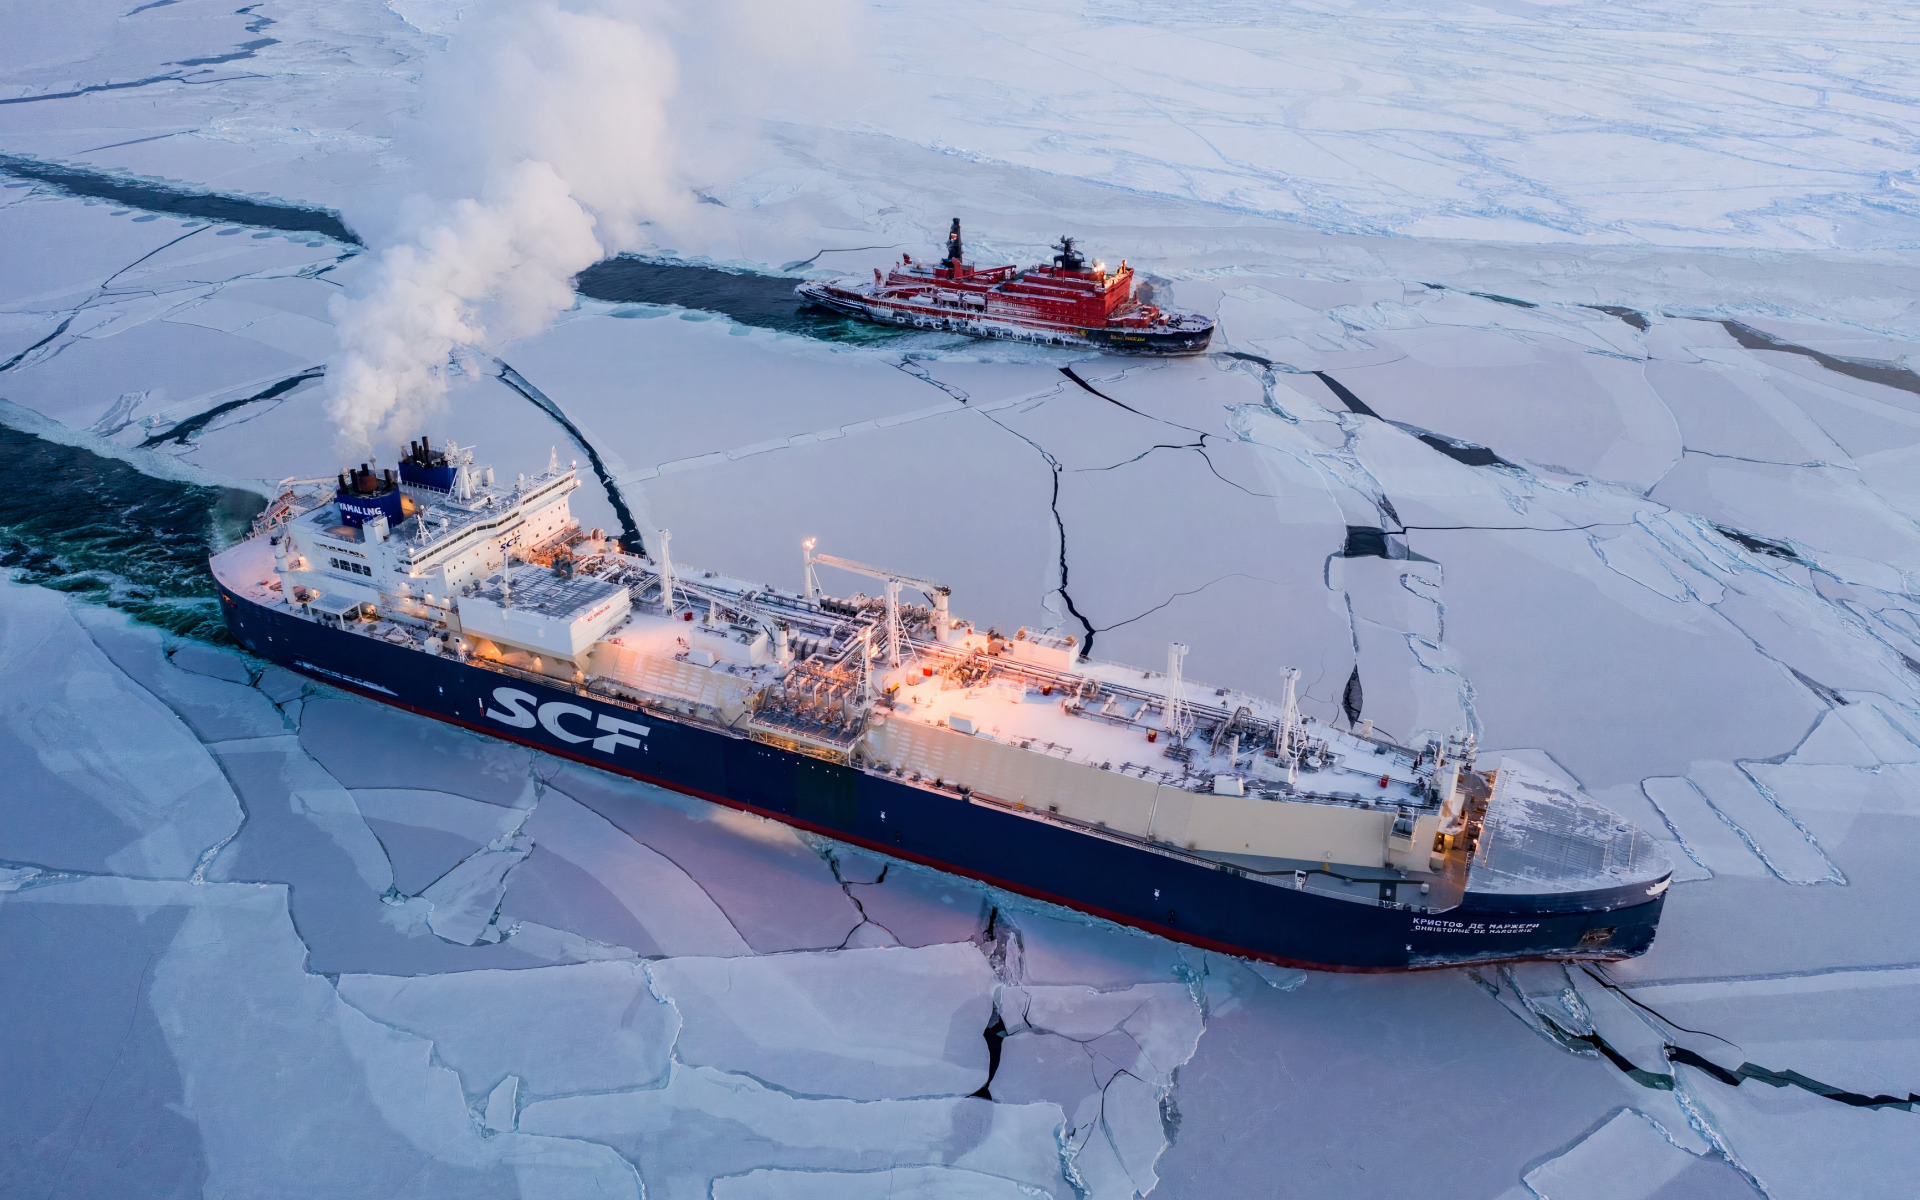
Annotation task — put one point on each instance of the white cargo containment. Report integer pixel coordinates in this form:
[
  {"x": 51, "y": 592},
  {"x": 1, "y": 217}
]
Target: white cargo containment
[
  {"x": 741, "y": 647},
  {"x": 1228, "y": 785},
  {"x": 534, "y": 609},
  {"x": 960, "y": 722},
  {"x": 1052, "y": 650}
]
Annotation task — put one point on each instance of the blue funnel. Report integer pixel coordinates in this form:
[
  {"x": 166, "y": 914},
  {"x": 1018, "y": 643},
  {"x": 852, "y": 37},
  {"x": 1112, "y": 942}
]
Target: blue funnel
[
  {"x": 425, "y": 467},
  {"x": 363, "y": 495}
]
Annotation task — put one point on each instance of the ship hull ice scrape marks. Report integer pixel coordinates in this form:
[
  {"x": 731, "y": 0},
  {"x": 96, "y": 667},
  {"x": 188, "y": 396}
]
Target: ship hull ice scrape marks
[
  {"x": 1067, "y": 303},
  {"x": 1215, "y": 818}
]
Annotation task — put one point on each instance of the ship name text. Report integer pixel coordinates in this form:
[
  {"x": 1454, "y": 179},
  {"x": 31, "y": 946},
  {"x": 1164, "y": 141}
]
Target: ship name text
[{"x": 1435, "y": 925}]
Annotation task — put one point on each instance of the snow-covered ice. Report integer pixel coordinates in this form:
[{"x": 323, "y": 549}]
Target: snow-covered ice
[{"x": 1564, "y": 384}]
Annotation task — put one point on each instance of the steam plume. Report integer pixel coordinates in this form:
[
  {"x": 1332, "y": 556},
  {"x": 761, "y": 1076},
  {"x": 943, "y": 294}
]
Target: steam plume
[{"x": 555, "y": 120}]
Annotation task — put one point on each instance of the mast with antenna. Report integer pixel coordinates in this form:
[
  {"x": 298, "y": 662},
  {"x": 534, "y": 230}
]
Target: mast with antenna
[
  {"x": 1289, "y": 728},
  {"x": 1179, "y": 718},
  {"x": 666, "y": 572}
]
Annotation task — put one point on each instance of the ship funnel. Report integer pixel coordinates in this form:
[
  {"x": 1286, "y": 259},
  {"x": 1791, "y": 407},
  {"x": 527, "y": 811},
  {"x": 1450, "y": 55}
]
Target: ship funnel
[
  {"x": 428, "y": 470},
  {"x": 942, "y": 618},
  {"x": 955, "y": 251},
  {"x": 363, "y": 495}
]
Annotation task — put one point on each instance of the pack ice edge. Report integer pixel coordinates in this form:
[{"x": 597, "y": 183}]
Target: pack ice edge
[{"x": 1208, "y": 816}]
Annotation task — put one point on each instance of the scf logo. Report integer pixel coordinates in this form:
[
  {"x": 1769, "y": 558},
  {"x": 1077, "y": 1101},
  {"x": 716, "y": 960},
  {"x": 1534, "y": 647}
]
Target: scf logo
[{"x": 521, "y": 714}]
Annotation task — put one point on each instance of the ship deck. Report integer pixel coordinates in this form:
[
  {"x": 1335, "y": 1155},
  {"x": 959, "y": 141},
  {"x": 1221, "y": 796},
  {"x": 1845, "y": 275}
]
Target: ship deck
[{"x": 1111, "y": 732}]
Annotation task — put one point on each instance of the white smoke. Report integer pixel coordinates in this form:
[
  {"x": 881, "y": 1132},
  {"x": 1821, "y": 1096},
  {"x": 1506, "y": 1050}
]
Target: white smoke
[{"x": 546, "y": 140}]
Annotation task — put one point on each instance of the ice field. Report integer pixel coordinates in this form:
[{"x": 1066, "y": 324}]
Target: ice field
[{"x": 1564, "y": 385}]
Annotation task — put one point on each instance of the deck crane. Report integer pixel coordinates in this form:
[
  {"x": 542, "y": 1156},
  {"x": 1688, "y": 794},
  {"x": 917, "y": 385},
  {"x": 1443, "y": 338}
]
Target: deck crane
[
  {"x": 935, "y": 592},
  {"x": 775, "y": 628},
  {"x": 670, "y": 584}
]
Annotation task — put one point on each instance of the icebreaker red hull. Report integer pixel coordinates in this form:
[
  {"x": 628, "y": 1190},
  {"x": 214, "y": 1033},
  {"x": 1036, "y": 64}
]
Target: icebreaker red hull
[{"x": 1067, "y": 303}]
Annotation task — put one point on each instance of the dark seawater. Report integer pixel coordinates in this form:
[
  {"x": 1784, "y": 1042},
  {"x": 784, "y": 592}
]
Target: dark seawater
[
  {"x": 159, "y": 198},
  {"x": 765, "y": 301},
  {"x": 75, "y": 521},
  {"x": 750, "y": 298},
  {"x": 1886, "y": 374}
]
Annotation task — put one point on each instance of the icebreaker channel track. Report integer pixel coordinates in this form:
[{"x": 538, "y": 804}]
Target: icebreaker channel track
[{"x": 1163, "y": 891}]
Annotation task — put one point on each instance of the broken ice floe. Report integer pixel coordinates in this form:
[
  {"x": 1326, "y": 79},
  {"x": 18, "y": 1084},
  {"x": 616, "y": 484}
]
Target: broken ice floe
[
  {"x": 101, "y": 775},
  {"x": 589, "y": 1027},
  {"x": 826, "y": 1039},
  {"x": 1629, "y": 1158}
]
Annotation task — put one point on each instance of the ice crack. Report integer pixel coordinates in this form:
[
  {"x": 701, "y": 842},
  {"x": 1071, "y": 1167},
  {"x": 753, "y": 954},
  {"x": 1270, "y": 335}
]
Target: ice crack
[
  {"x": 829, "y": 853},
  {"x": 1060, "y": 526},
  {"x": 912, "y": 367},
  {"x": 1886, "y": 374},
  {"x": 1569, "y": 1037},
  {"x": 800, "y": 264},
  {"x": 169, "y": 77},
  {"x": 629, "y": 531},
  {"x": 181, "y": 433},
  {"x": 1189, "y": 592},
  {"x": 16, "y": 360}
]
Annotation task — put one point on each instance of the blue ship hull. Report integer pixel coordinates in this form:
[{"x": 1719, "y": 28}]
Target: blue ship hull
[{"x": 1203, "y": 904}]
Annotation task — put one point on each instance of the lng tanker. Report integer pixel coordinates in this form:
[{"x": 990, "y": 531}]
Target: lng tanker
[
  {"x": 1067, "y": 303},
  {"x": 1205, "y": 815}
]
